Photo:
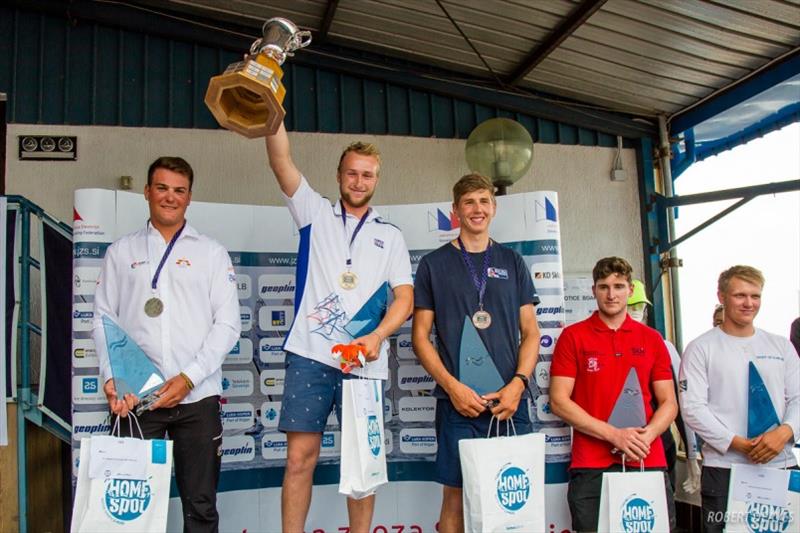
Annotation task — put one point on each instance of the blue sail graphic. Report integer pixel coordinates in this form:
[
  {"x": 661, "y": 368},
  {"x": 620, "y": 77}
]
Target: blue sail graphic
[
  {"x": 371, "y": 313},
  {"x": 629, "y": 411},
  {"x": 761, "y": 415},
  {"x": 132, "y": 370},
  {"x": 476, "y": 367}
]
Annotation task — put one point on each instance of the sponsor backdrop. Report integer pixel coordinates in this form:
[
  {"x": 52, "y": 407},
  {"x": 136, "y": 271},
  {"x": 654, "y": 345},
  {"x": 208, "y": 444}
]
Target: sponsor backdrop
[{"x": 263, "y": 243}]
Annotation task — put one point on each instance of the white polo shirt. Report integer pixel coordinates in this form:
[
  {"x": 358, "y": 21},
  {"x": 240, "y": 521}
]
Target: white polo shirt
[
  {"x": 200, "y": 323},
  {"x": 325, "y": 313}
]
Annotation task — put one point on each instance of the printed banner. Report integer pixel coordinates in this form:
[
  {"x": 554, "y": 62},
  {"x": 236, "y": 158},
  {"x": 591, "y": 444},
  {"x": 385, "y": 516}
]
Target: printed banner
[{"x": 253, "y": 375}]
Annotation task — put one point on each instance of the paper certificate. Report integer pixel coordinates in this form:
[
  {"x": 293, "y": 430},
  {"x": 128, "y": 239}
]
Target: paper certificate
[
  {"x": 759, "y": 484},
  {"x": 118, "y": 458}
]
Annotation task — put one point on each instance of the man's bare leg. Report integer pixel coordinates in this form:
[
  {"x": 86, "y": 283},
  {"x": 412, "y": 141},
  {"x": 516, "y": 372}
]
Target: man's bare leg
[
  {"x": 360, "y": 514},
  {"x": 302, "y": 455},
  {"x": 451, "y": 519}
]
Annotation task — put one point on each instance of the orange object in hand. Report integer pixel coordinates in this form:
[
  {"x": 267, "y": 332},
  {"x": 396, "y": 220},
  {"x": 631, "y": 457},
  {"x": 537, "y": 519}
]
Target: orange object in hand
[{"x": 349, "y": 355}]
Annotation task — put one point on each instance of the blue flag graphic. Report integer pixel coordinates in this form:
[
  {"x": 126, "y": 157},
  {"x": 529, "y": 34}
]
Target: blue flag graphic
[
  {"x": 132, "y": 370},
  {"x": 761, "y": 415},
  {"x": 371, "y": 313},
  {"x": 476, "y": 367}
]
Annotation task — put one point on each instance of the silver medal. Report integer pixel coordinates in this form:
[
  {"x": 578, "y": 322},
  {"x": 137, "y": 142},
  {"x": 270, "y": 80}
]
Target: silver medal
[{"x": 482, "y": 319}]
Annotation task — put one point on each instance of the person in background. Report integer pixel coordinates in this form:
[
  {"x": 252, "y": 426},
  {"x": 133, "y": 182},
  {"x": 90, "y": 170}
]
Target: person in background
[
  {"x": 718, "y": 316},
  {"x": 638, "y": 310},
  {"x": 714, "y": 391},
  {"x": 794, "y": 334}
]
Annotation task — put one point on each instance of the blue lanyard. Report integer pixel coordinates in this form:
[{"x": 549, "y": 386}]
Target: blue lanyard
[
  {"x": 154, "y": 283},
  {"x": 480, "y": 283},
  {"x": 360, "y": 224}
]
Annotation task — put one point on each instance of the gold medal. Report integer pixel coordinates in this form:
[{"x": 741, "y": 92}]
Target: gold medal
[
  {"x": 348, "y": 280},
  {"x": 153, "y": 307},
  {"x": 482, "y": 319}
]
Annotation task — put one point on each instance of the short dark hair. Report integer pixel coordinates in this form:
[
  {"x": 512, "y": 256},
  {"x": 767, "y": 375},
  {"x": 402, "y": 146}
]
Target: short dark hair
[
  {"x": 612, "y": 265},
  {"x": 175, "y": 164}
]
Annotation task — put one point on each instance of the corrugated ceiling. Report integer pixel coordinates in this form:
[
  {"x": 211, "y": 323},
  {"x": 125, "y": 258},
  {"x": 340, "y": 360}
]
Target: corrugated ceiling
[{"x": 643, "y": 57}]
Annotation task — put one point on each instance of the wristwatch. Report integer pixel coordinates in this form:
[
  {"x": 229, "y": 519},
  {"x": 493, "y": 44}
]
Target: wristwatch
[{"x": 524, "y": 379}]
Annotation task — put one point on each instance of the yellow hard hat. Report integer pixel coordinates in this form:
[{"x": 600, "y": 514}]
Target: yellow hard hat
[{"x": 638, "y": 295}]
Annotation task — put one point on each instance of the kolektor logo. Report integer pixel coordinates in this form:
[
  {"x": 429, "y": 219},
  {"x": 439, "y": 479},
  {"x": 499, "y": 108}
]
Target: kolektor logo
[
  {"x": 513, "y": 487},
  {"x": 126, "y": 499},
  {"x": 766, "y": 518},
  {"x": 638, "y": 516},
  {"x": 374, "y": 435}
]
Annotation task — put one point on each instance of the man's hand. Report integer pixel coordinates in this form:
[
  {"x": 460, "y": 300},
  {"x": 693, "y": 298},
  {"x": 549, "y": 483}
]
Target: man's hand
[
  {"x": 742, "y": 445},
  {"x": 768, "y": 445},
  {"x": 647, "y": 434},
  {"x": 466, "y": 401},
  {"x": 507, "y": 399},
  {"x": 171, "y": 393},
  {"x": 630, "y": 442},
  {"x": 117, "y": 406},
  {"x": 372, "y": 345}
]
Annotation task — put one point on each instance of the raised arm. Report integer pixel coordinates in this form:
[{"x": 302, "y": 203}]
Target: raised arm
[{"x": 280, "y": 161}]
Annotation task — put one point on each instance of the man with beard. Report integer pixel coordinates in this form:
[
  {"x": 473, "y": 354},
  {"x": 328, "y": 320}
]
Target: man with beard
[{"x": 349, "y": 259}]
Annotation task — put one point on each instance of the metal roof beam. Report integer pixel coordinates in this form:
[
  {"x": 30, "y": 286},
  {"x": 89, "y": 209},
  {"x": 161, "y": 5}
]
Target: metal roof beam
[
  {"x": 327, "y": 20},
  {"x": 578, "y": 16}
]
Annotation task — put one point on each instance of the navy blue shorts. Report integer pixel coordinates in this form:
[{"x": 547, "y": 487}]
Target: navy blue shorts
[
  {"x": 310, "y": 390},
  {"x": 451, "y": 427}
]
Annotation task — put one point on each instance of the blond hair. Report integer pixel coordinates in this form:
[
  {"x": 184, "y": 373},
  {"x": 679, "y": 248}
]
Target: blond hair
[
  {"x": 361, "y": 148},
  {"x": 744, "y": 272}
]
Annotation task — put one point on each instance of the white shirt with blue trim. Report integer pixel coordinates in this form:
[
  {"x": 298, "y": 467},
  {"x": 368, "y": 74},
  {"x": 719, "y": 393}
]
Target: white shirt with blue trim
[{"x": 325, "y": 313}]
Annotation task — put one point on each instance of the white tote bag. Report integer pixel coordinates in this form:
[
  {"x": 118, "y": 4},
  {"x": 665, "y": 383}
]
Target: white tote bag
[
  {"x": 123, "y": 485},
  {"x": 633, "y": 501},
  {"x": 503, "y": 483},
  {"x": 758, "y": 501},
  {"x": 363, "y": 462}
]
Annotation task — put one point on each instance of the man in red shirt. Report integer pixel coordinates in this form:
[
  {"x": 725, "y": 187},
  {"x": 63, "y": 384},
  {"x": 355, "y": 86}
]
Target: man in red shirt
[{"x": 591, "y": 362}]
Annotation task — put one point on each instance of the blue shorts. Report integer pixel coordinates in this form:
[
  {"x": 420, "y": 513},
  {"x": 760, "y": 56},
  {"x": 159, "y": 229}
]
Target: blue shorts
[
  {"x": 451, "y": 427},
  {"x": 310, "y": 390}
]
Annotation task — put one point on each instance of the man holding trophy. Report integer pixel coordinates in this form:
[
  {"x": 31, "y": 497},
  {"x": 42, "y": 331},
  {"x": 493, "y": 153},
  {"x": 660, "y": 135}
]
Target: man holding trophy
[
  {"x": 173, "y": 292},
  {"x": 349, "y": 258}
]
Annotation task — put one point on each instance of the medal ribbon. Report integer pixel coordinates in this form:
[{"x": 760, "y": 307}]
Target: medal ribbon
[
  {"x": 154, "y": 283},
  {"x": 480, "y": 283},
  {"x": 349, "y": 260}
]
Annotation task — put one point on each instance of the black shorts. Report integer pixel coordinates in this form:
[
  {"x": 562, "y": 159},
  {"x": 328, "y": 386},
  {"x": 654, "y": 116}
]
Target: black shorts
[{"x": 583, "y": 496}]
